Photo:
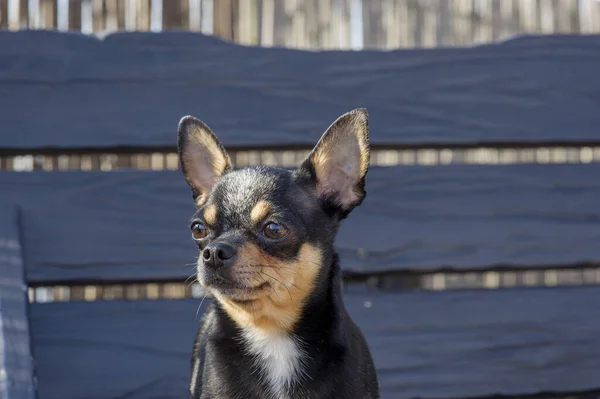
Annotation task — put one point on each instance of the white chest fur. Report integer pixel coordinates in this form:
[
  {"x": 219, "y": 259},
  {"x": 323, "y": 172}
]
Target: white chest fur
[{"x": 279, "y": 357}]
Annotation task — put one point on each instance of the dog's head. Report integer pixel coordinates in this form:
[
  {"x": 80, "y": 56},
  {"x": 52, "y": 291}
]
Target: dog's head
[{"x": 263, "y": 232}]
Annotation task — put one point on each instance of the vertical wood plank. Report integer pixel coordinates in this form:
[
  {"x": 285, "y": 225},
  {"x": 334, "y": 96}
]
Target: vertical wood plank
[
  {"x": 121, "y": 5},
  {"x": 444, "y": 31},
  {"x": 195, "y": 15},
  {"x": 324, "y": 23},
  {"x": 62, "y": 15},
  {"x": 111, "y": 22},
  {"x": 596, "y": 16},
  {"x": 33, "y": 14},
  {"x": 528, "y": 16},
  {"x": 588, "y": 16},
  {"x": 497, "y": 20},
  {"x": 48, "y": 14},
  {"x": 414, "y": 18},
  {"x": 389, "y": 25},
  {"x": 13, "y": 10},
  {"x": 74, "y": 14},
  {"x": 546, "y": 16},
  {"x": 23, "y": 14},
  {"x": 404, "y": 22},
  {"x": 462, "y": 12},
  {"x": 207, "y": 24},
  {"x": 143, "y": 15},
  {"x": 373, "y": 28},
  {"x": 561, "y": 19},
  {"x": 429, "y": 22},
  {"x": 98, "y": 16},
  {"x": 130, "y": 15},
  {"x": 284, "y": 23},
  {"x": 247, "y": 21},
  {"x": 482, "y": 12},
  {"x": 184, "y": 14},
  {"x": 3, "y": 14},
  {"x": 87, "y": 24},
  {"x": 345, "y": 24},
  {"x": 172, "y": 14},
  {"x": 312, "y": 23},
  {"x": 267, "y": 28},
  {"x": 223, "y": 17},
  {"x": 299, "y": 35},
  {"x": 241, "y": 21},
  {"x": 156, "y": 14},
  {"x": 356, "y": 24}
]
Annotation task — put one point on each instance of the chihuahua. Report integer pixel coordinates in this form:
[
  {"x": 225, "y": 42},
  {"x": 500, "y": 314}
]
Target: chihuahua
[{"x": 277, "y": 327}]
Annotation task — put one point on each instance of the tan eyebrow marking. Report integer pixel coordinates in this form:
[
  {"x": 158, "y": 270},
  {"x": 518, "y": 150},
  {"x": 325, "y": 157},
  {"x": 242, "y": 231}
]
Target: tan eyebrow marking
[
  {"x": 210, "y": 214},
  {"x": 259, "y": 211}
]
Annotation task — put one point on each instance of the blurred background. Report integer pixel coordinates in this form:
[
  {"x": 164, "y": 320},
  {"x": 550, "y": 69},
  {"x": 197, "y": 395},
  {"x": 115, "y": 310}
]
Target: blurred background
[{"x": 315, "y": 24}]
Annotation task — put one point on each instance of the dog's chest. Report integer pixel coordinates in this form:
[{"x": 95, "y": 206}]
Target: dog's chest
[{"x": 279, "y": 358}]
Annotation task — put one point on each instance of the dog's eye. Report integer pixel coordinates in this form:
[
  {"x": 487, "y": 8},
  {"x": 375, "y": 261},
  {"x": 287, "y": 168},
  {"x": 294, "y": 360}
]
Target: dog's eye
[
  {"x": 275, "y": 231},
  {"x": 198, "y": 231}
]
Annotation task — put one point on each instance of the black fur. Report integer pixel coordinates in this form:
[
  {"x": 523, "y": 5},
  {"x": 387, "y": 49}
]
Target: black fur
[{"x": 338, "y": 362}]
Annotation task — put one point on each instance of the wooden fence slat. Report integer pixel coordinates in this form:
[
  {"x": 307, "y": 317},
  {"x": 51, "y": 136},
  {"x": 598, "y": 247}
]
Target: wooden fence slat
[
  {"x": 499, "y": 93},
  {"x": 418, "y": 219},
  {"x": 87, "y": 16},
  {"x": 62, "y": 15},
  {"x": 442, "y": 345},
  {"x": 224, "y": 15},
  {"x": 195, "y": 15},
  {"x": 267, "y": 27},
  {"x": 74, "y": 14},
  {"x": 300, "y": 22},
  {"x": 156, "y": 15},
  {"x": 3, "y": 14},
  {"x": 16, "y": 365},
  {"x": 112, "y": 15}
]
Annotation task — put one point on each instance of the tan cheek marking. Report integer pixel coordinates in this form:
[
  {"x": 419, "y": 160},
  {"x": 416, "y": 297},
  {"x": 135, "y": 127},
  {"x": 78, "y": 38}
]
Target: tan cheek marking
[
  {"x": 259, "y": 211},
  {"x": 210, "y": 214},
  {"x": 280, "y": 306}
]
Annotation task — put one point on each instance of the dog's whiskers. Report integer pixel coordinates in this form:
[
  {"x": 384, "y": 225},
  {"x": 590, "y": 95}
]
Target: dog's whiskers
[
  {"x": 270, "y": 286},
  {"x": 200, "y": 306},
  {"x": 280, "y": 282}
]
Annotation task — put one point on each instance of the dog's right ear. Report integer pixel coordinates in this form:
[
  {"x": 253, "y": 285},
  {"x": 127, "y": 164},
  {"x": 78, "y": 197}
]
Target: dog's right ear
[{"x": 202, "y": 158}]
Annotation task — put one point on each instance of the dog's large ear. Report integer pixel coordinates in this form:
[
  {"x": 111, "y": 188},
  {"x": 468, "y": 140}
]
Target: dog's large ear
[
  {"x": 339, "y": 162},
  {"x": 202, "y": 158}
]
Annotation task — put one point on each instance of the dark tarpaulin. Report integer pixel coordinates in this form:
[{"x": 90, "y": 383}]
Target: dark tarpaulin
[
  {"x": 16, "y": 374},
  {"x": 67, "y": 90},
  {"x": 134, "y": 225},
  {"x": 430, "y": 345}
]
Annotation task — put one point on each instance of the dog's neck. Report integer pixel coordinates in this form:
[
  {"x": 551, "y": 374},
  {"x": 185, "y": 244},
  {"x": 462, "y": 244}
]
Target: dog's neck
[{"x": 288, "y": 356}]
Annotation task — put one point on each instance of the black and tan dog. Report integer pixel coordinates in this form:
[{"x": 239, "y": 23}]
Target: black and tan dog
[{"x": 278, "y": 327}]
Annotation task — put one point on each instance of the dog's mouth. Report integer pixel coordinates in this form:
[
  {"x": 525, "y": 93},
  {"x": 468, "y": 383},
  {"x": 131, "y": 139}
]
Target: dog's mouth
[{"x": 235, "y": 291}]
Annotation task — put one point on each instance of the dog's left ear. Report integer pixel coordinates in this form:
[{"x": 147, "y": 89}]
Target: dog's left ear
[
  {"x": 202, "y": 158},
  {"x": 339, "y": 162}
]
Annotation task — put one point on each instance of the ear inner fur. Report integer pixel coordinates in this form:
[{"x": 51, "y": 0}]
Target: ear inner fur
[
  {"x": 341, "y": 158},
  {"x": 278, "y": 307},
  {"x": 202, "y": 157}
]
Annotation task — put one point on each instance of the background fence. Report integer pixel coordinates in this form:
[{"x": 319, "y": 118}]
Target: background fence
[
  {"x": 312, "y": 24},
  {"x": 315, "y": 24}
]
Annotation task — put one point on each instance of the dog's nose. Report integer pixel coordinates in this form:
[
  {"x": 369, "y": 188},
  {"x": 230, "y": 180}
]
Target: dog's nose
[{"x": 218, "y": 254}]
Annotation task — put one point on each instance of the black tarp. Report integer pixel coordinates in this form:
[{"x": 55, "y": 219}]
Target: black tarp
[
  {"x": 132, "y": 225},
  {"x": 16, "y": 364},
  {"x": 430, "y": 345},
  {"x": 67, "y": 90}
]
